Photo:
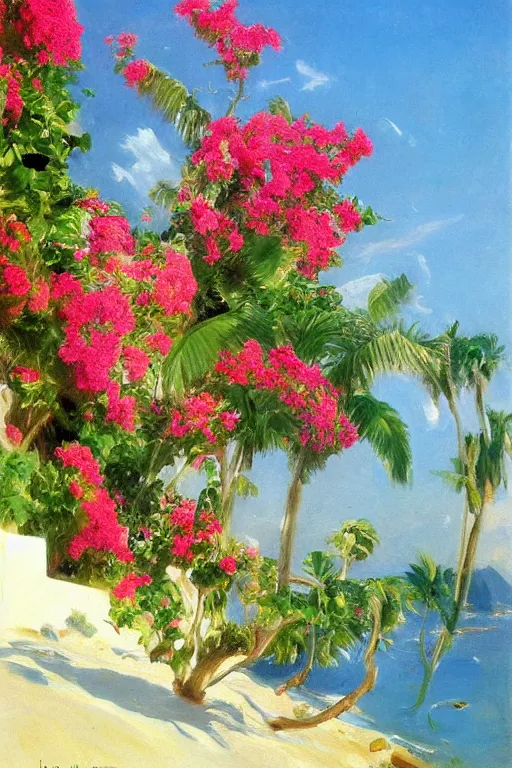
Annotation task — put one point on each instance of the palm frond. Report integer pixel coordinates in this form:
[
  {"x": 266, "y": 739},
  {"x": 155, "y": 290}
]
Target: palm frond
[
  {"x": 163, "y": 193},
  {"x": 390, "y": 350},
  {"x": 176, "y": 105},
  {"x": 245, "y": 487},
  {"x": 388, "y": 435},
  {"x": 387, "y": 297},
  {"x": 196, "y": 352},
  {"x": 279, "y": 106}
]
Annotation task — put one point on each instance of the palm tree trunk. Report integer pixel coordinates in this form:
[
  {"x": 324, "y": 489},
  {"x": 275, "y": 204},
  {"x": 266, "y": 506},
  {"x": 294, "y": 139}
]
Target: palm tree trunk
[
  {"x": 229, "y": 475},
  {"x": 289, "y": 528},
  {"x": 445, "y": 638},
  {"x": 300, "y": 677},
  {"x": 480, "y": 409},
  {"x": 348, "y": 701}
]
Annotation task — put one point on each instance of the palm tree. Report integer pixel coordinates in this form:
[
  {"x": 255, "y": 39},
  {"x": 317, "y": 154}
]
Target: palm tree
[
  {"x": 479, "y": 480},
  {"x": 355, "y": 540},
  {"x": 463, "y": 363},
  {"x": 386, "y": 601},
  {"x": 352, "y": 348}
]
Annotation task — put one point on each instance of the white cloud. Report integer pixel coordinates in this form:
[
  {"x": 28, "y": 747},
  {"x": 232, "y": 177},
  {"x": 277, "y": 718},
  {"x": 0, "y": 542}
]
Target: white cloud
[
  {"x": 315, "y": 78},
  {"x": 424, "y": 267},
  {"x": 421, "y": 307},
  {"x": 394, "y": 126},
  {"x": 403, "y": 135},
  {"x": 152, "y": 162},
  {"x": 355, "y": 293},
  {"x": 416, "y": 235},
  {"x": 431, "y": 412},
  {"x": 264, "y": 84}
]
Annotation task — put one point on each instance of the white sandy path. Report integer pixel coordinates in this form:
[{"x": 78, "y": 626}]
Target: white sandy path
[{"x": 76, "y": 703}]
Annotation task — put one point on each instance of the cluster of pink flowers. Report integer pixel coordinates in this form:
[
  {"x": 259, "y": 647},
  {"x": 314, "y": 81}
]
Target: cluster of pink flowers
[
  {"x": 102, "y": 531},
  {"x": 228, "y": 565},
  {"x": 123, "y": 44},
  {"x": 39, "y": 296},
  {"x": 238, "y": 45},
  {"x": 202, "y": 414},
  {"x": 95, "y": 324},
  {"x": 14, "y": 104},
  {"x": 175, "y": 285},
  {"x": 14, "y": 435},
  {"x": 217, "y": 229},
  {"x": 14, "y": 286},
  {"x": 110, "y": 234},
  {"x": 171, "y": 286},
  {"x": 282, "y": 170},
  {"x": 26, "y": 375},
  {"x": 120, "y": 410},
  {"x": 80, "y": 457},
  {"x": 128, "y": 586},
  {"x": 93, "y": 205},
  {"x": 136, "y": 362},
  {"x": 136, "y": 71},
  {"x": 13, "y": 234},
  {"x": 159, "y": 342},
  {"x": 302, "y": 388},
  {"x": 52, "y": 27},
  {"x": 192, "y": 531}
]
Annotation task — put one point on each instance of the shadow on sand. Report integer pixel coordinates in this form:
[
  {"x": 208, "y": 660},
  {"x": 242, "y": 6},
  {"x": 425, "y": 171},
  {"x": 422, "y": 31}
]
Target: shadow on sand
[{"x": 131, "y": 693}]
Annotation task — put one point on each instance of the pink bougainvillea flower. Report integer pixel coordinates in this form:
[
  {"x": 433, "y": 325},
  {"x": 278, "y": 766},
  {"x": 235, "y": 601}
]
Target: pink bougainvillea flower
[
  {"x": 228, "y": 565},
  {"x": 76, "y": 489},
  {"x": 134, "y": 73},
  {"x": 128, "y": 586},
  {"x": 14, "y": 435},
  {"x": 26, "y": 375}
]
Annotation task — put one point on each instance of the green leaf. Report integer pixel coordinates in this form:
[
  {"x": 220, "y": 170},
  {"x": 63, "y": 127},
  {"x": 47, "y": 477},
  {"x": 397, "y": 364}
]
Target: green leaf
[
  {"x": 387, "y": 297},
  {"x": 245, "y": 488},
  {"x": 197, "y": 351},
  {"x": 279, "y": 106},
  {"x": 176, "y": 105},
  {"x": 380, "y": 425}
]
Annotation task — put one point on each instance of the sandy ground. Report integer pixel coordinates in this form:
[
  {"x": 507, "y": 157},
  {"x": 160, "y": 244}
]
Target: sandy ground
[{"x": 78, "y": 703}]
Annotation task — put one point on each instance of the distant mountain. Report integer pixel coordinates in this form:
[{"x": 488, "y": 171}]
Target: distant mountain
[{"x": 489, "y": 591}]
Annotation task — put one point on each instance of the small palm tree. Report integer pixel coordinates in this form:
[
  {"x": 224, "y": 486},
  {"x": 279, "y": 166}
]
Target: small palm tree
[{"x": 355, "y": 540}]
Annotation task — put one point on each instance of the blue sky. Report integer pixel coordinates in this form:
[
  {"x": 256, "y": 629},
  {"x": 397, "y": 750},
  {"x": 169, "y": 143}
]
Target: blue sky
[{"x": 430, "y": 84}]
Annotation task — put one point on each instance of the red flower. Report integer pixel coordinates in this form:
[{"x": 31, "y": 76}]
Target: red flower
[
  {"x": 52, "y": 25},
  {"x": 134, "y": 73},
  {"x": 129, "y": 585},
  {"x": 26, "y": 375},
  {"x": 80, "y": 457},
  {"x": 136, "y": 362},
  {"x": 14, "y": 434},
  {"x": 228, "y": 565},
  {"x": 159, "y": 341},
  {"x": 76, "y": 489}
]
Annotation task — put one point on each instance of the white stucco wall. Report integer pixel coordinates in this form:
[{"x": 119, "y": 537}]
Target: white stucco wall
[{"x": 29, "y": 598}]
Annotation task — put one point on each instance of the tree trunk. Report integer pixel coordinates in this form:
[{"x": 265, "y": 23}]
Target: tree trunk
[
  {"x": 194, "y": 687},
  {"x": 229, "y": 475},
  {"x": 347, "y": 702},
  {"x": 300, "y": 677},
  {"x": 465, "y": 573},
  {"x": 262, "y": 639},
  {"x": 480, "y": 409},
  {"x": 289, "y": 528}
]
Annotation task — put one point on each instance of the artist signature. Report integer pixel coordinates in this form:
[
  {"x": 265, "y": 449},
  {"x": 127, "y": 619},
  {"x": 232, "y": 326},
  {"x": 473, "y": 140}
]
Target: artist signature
[{"x": 75, "y": 765}]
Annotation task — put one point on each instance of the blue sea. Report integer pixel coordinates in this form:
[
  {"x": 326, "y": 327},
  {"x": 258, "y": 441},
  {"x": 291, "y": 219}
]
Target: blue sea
[{"x": 478, "y": 670}]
